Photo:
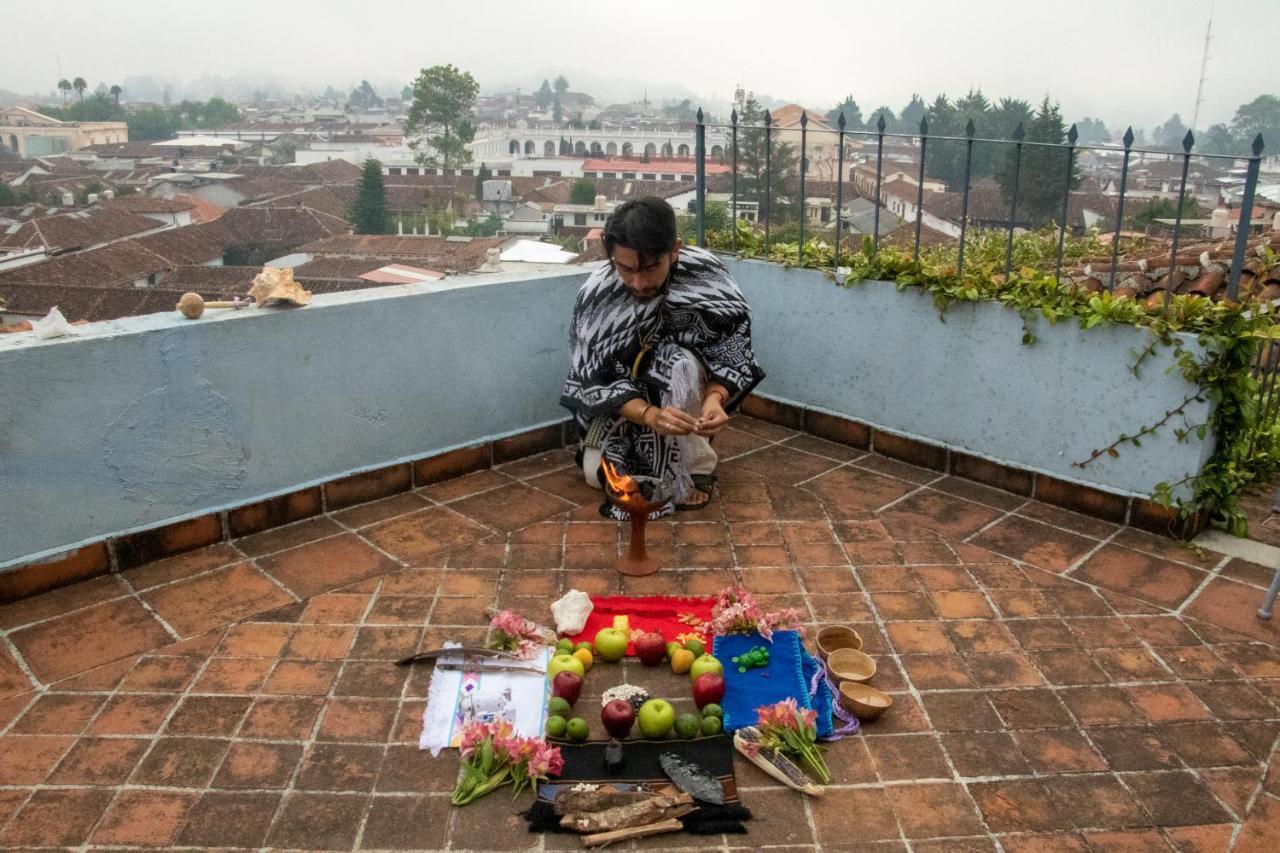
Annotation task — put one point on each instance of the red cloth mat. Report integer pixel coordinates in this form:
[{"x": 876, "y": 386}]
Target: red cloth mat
[{"x": 648, "y": 613}]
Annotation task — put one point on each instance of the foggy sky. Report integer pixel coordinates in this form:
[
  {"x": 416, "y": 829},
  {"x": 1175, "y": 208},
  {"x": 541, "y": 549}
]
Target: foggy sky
[{"x": 1126, "y": 61}]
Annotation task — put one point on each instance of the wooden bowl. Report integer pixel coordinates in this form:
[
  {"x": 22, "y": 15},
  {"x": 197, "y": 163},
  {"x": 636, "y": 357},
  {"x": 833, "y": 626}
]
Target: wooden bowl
[
  {"x": 850, "y": 665},
  {"x": 835, "y": 637},
  {"x": 863, "y": 701}
]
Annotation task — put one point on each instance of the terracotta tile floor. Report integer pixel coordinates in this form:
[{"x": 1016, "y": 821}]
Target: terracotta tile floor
[{"x": 1060, "y": 683}]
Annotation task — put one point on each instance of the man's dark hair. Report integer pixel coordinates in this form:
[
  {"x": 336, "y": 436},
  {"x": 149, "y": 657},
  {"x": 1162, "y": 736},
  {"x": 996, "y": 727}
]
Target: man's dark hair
[{"x": 647, "y": 225}]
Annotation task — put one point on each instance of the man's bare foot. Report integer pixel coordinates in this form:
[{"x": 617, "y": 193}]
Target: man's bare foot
[{"x": 697, "y": 499}]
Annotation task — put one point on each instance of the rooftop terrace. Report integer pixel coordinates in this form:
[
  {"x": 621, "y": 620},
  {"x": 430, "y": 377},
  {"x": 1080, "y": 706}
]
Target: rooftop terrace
[{"x": 1061, "y": 681}]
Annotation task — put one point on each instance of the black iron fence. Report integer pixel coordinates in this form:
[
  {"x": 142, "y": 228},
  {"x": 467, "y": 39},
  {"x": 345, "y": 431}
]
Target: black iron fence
[{"x": 1055, "y": 164}]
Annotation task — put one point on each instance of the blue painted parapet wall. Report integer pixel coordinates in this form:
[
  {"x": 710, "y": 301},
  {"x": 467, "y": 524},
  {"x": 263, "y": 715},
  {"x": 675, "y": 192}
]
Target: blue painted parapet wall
[
  {"x": 149, "y": 420},
  {"x": 883, "y": 357}
]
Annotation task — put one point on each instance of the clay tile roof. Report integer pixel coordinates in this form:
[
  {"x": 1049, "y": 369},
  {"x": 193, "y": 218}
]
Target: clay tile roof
[
  {"x": 285, "y": 226},
  {"x": 338, "y": 268},
  {"x": 66, "y": 232},
  {"x": 210, "y": 281},
  {"x": 145, "y": 204},
  {"x": 436, "y": 253}
]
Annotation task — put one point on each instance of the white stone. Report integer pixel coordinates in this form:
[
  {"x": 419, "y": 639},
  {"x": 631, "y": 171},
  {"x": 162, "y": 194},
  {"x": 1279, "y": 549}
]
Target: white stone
[{"x": 571, "y": 612}]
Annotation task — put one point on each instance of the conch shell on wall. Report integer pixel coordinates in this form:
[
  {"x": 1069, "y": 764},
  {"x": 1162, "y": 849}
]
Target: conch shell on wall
[{"x": 277, "y": 285}]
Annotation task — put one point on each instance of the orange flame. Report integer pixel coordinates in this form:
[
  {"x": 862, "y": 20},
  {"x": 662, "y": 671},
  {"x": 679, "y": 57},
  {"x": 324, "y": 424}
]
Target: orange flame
[{"x": 624, "y": 489}]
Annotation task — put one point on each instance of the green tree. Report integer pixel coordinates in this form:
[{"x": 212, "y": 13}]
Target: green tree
[
  {"x": 363, "y": 97},
  {"x": 1042, "y": 181},
  {"x": 482, "y": 175},
  {"x": 442, "y": 100},
  {"x": 890, "y": 120},
  {"x": 561, "y": 85},
  {"x": 852, "y": 114},
  {"x": 1163, "y": 208},
  {"x": 369, "y": 212},
  {"x": 151, "y": 123},
  {"x": 1092, "y": 130},
  {"x": 1219, "y": 139},
  {"x": 909, "y": 119},
  {"x": 783, "y": 162},
  {"x": 97, "y": 107},
  {"x": 1261, "y": 115},
  {"x": 219, "y": 113},
  {"x": 543, "y": 96},
  {"x": 8, "y": 198},
  {"x": 557, "y": 112},
  {"x": 583, "y": 192},
  {"x": 484, "y": 227},
  {"x": 64, "y": 86},
  {"x": 79, "y": 85},
  {"x": 1169, "y": 135},
  {"x": 115, "y": 92}
]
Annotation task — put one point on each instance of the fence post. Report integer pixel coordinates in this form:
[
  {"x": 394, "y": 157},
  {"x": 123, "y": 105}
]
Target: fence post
[
  {"x": 1124, "y": 177},
  {"x": 875, "y": 225},
  {"x": 700, "y": 146},
  {"x": 733, "y": 121},
  {"x": 1018, "y": 135},
  {"x": 1246, "y": 216},
  {"x": 964, "y": 199},
  {"x": 924, "y": 139},
  {"x": 1072, "y": 136},
  {"x": 1187, "y": 142},
  {"x": 804, "y": 129},
  {"x": 840, "y": 124},
  {"x": 768, "y": 153}
]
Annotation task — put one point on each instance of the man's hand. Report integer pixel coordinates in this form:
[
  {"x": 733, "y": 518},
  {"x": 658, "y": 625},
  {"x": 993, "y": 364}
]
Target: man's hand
[
  {"x": 671, "y": 421},
  {"x": 713, "y": 416}
]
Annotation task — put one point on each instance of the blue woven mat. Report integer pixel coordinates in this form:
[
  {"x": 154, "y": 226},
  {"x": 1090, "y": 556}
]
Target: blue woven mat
[{"x": 790, "y": 674}]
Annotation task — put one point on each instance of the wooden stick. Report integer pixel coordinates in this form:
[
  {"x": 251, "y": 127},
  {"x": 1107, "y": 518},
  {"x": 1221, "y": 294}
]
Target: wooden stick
[
  {"x": 602, "y": 839},
  {"x": 631, "y": 814}
]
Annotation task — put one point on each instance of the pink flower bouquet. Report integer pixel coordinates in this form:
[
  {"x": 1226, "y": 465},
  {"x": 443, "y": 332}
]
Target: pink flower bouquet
[
  {"x": 736, "y": 612},
  {"x": 493, "y": 756},
  {"x": 791, "y": 730},
  {"x": 514, "y": 633}
]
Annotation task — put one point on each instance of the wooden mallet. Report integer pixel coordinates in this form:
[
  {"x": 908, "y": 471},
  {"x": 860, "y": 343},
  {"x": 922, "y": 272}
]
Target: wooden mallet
[{"x": 192, "y": 305}]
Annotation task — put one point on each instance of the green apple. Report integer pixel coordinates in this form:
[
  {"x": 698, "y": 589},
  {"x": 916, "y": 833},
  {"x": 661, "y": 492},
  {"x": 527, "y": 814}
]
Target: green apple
[
  {"x": 705, "y": 663},
  {"x": 694, "y": 645},
  {"x": 656, "y": 718},
  {"x": 560, "y": 663},
  {"x": 611, "y": 644}
]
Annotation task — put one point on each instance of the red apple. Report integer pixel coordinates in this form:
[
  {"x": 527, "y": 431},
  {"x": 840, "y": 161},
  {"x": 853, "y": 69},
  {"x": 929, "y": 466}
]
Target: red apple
[
  {"x": 651, "y": 648},
  {"x": 618, "y": 716},
  {"x": 567, "y": 685},
  {"x": 708, "y": 689}
]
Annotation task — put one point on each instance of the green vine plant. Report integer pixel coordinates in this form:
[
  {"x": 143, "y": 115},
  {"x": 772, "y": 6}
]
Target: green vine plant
[{"x": 1229, "y": 335}]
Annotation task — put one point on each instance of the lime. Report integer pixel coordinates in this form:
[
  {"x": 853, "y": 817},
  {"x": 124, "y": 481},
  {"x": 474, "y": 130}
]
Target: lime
[
  {"x": 688, "y": 726},
  {"x": 556, "y": 726},
  {"x": 695, "y": 645},
  {"x": 711, "y": 725},
  {"x": 577, "y": 730},
  {"x": 559, "y": 705},
  {"x": 711, "y": 709},
  {"x": 585, "y": 645},
  {"x": 564, "y": 647}
]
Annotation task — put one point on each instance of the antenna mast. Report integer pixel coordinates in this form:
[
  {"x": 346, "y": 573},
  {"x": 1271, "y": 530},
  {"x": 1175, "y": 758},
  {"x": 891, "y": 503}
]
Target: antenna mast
[{"x": 1204, "y": 69}]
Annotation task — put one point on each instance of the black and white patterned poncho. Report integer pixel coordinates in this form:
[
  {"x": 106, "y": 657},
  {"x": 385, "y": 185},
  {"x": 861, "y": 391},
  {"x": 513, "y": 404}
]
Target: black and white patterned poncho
[{"x": 701, "y": 310}]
